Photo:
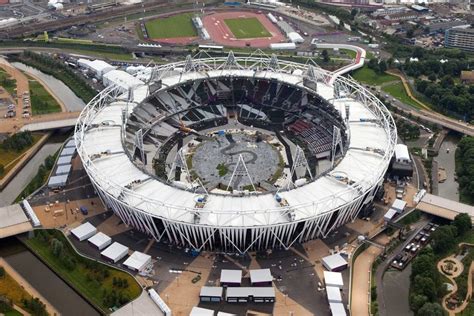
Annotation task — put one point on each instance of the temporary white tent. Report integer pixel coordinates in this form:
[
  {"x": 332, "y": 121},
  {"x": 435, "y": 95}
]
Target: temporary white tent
[
  {"x": 390, "y": 215},
  {"x": 334, "y": 262},
  {"x": 64, "y": 160},
  {"x": 334, "y": 294},
  {"x": 70, "y": 143},
  {"x": 337, "y": 309},
  {"x": 231, "y": 277},
  {"x": 100, "y": 240},
  {"x": 199, "y": 311},
  {"x": 333, "y": 279},
  {"x": 399, "y": 205},
  {"x": 84, "y": 231},
  {"x": 57, "y": 181},
  {"x": 68, "y": 151},
  {"x": 137, "y": 261},
  {"x": 115, "y": 252},
  {"x": 63, "y": 169},
  {"x": 260, "y": 276}
]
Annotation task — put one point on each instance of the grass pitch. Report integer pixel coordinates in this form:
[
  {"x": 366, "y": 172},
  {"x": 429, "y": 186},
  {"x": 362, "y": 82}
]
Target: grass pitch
[
  {"x": 247, "y": 28},
  {"x": 179, "y": 25}
]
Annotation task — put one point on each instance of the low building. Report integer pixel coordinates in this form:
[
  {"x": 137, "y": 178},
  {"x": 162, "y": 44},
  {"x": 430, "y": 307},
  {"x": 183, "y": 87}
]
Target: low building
[
  {"x": 100, "y": 240},
  {"x": 63, "y": 169},
  {"x": 250, "y": 294},
  {"x": 138, "y": 261},
  {"x": 57, "y": 182},
  {"x": 231, "y": 277},
  {"x": 467, "y": 77},
  {"x": 390, "y": 215},
  {"x": 115, "y": 252},
  {"x": 334, "y": 263},
  {"x": 401, "y": 164},
  {"x": 261, "y": 277},
  {"x": 123, "y": 80},
  {"x": 84, "y": 231},
  {"x": 211, "y": 294},
  {"x": 333, "y": 279},
  {"x": 460, "y": 37},
  {"x": 399, "y": 205}
]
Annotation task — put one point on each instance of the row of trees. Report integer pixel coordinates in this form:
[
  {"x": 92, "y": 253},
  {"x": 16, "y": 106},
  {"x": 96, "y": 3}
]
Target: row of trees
[
  {"x": 40, "y": 176},
  {"x": 18, "y": 141},
  {"x": 465, "y": 169}
]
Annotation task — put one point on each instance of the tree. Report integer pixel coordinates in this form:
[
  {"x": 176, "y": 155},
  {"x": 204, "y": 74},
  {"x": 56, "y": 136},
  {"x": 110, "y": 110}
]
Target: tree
[
  {"x": 325, "y": 55},
  {"x": 463, "y": 223},
  {"x": 444, "y": 238},
  {"x": 425, "y": 286},
  {"x": 431, "y": 309},
  {"x": 382, "y": 66},
  {"x": 417, "y": 301},
  {"x": 410, "y": 33},
  {"x": 2, "y": 169}
]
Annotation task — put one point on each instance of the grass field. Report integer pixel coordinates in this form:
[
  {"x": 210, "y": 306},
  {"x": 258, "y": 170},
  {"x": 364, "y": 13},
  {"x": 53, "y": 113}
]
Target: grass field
[
  {"x": 82, "y": 277},
  {"x": 8, "y": 158},
  {"x": 247, "y": 28},
  {"x": 368, "y": 76},
  {"x": 397, "y": 90},
  {"x": 174, "y": 26},
  {"x": 41, "y": 101},
  {"x": 10, "y": 288}
]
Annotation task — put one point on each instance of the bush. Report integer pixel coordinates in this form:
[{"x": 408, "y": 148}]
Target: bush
[{"x": 18, "y": 141}]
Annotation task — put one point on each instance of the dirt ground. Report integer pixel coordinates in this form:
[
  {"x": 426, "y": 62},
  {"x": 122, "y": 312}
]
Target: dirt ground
[{"x": 60, "y": 214}]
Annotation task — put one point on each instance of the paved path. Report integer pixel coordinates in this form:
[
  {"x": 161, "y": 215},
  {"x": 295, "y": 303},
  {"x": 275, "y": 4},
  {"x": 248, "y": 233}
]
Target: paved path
[
  {"x": 458, "y": 268},
  {"x": 361, "y": 281},
  {"x": 27, "y": 287},
  {"x": 22, "y": 85}
]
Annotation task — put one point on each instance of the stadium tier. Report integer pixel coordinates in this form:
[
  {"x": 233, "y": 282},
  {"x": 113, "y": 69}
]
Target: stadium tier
[{"x": 126, "y": 138}]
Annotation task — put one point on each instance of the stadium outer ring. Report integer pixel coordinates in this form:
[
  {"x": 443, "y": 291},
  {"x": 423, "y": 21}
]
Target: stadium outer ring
[{"x": 238, "y": 238}]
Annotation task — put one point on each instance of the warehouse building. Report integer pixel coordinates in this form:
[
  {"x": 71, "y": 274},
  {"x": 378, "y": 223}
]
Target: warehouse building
[
  {"x": 250, "y": 294},
  {"x": 211, "y": 294}
]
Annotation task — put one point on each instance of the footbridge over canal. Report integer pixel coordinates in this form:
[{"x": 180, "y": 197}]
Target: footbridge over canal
[{"x": 442, "y": 207}]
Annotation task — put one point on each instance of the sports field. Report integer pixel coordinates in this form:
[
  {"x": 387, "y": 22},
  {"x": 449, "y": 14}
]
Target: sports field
[
  {"x": 247, "y": 28},
  {"x": 179, "y": 25}
]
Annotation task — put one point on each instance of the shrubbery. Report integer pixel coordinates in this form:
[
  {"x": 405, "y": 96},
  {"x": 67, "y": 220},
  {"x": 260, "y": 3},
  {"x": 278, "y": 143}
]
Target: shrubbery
[{"x": 18, "y": 141}]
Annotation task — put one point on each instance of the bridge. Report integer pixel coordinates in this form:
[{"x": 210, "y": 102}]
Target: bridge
[
  {"x": 13, "y": 221},
  {"x": 442, "y": 207},
  {"x": 48, "y": 125}
]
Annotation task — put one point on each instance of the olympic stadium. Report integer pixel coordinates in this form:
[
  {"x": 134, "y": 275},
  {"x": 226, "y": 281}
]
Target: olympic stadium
[{"x": 236, "y": 153}]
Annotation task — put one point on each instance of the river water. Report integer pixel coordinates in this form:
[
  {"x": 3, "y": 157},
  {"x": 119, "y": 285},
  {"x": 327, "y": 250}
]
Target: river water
[
  {"x": 21, "y": 180},
  {"x": 71, "y": 101},
  {"x": 48, "y": 284},
  {"x": 449, "y": 188}
]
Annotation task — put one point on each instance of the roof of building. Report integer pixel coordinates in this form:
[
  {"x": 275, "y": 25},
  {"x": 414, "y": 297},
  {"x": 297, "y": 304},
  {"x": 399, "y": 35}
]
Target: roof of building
[
  {"x": 231, "y": 276},
  {"x": 64, "y": 160},
  {"x": 84, "y": 230},
  {"x": 100, "y": 65},
  {"x": 225, "y": 314},
  {"x": 63, "y": 169},
  {"x": 122, "y": 79},
  {"x": 215, "y": 291},
  {"x": 137, "y": 260},
  {"x": 12, "y": 215},
  {"x": 399, "y": 204},
  {"x": 260, "y": 275},
  {"x": 390, "y": 214},
  {"x": 334, "y": 261},
  {"x": 58, "y": 180},
  {"x": 199, "y": 311},
  {"x": 70, "y": 143},
  {"x": 443, "y": 207},
  {"x": 337, "y": 309},
  {"x": 250, "y": 291},
  {"x": 67, "y": 151},
  {"x": 99, "y": 239},
  {"x": 333, "y": 278},
  {"x": 333, "y": 293},
  {"x": 401, "y": 152},
  {"x": 114, "y": 251}
]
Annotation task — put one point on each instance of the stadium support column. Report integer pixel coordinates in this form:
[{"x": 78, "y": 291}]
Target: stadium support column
[
  {"x": 138, "y": 146},
  {"x": 336, "y": 141},
  {"x": 240, "y": 171},
  {"x": 300, "y": 161}
]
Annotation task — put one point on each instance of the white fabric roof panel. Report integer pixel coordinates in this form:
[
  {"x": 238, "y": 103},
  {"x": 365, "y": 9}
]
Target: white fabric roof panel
[
  {"x": 100, "y": 240},
  {"x": 84, "y": 231},
  {"x": 70, "y": 143},
  {"x": 401, "y": 152},
  {"x": 64, "y": 160},
  {"x": 333, "y": 279},
  {"x": 260, "y": 275},
  {"x": 115, "y": 252},
  {"x": 137, "y": 261},
  {"x": 57, "y": 181},
  {"x": 63, "y": 169},
  {"x": 68, "y": 151},
  {"x": 231, "y": 276}
]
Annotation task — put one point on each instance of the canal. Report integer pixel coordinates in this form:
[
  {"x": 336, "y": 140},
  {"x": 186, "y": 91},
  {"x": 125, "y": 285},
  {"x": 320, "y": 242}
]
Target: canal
[
  {"x": 45, "y": 281},
  {"x": 21, "y": 180},
  {"x": 396, "y": 285},
  {"x": 449, "y": 188},
  {"x": 70, "y": 100}
]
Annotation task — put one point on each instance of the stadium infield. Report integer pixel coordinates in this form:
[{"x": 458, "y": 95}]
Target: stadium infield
[
  {"x": 175, "y": 26},
  {"x": 247, "y": 28}
]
